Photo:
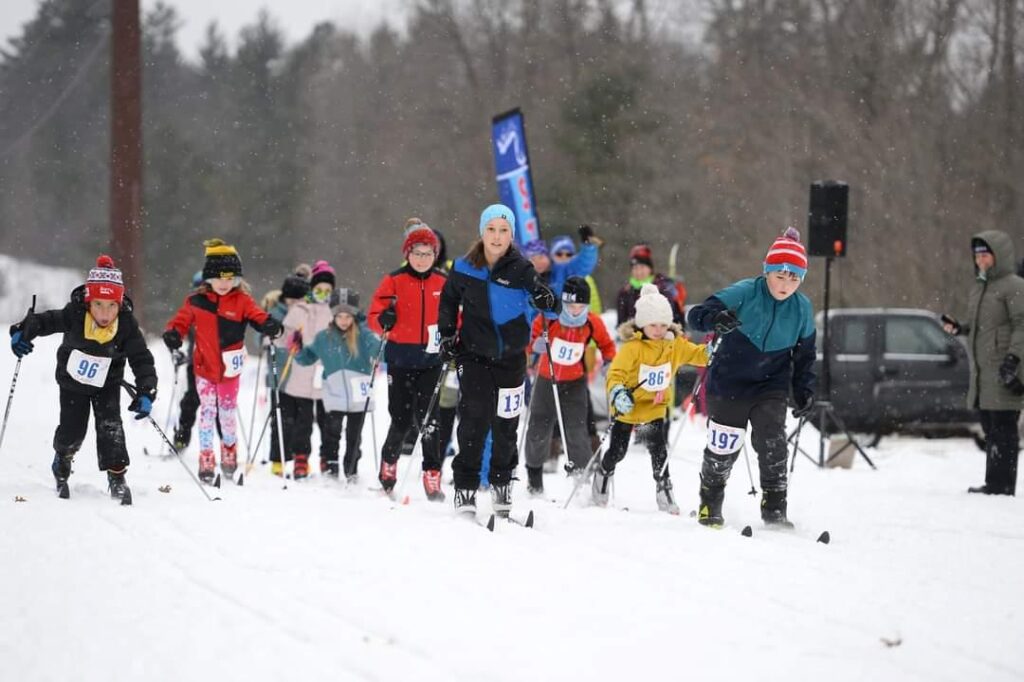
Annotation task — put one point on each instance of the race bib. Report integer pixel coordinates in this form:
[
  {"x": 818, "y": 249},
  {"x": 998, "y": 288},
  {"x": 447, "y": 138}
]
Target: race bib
[
  {"x": 433, "y": 339},
  {"x": 234, "y": 360},
  {"x": 318, "y": 376},
  {"x": 88, "y": 369},
  {"x": 360, "y": 387},
  {"x": 510, "y": 401},
  {"x": 725, "y": 440},
  {"x": 566, "y": 352},
  {"x": 655, "y": 377}
]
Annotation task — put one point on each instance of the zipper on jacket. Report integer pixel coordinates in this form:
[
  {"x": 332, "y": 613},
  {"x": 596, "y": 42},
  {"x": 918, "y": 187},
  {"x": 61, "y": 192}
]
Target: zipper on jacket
[
  {"x": 974, "y": 344},
  {"x": 490, "y": 313},
  {"x": 423, "y": 313},
  {"x": 764, "y": 343}
]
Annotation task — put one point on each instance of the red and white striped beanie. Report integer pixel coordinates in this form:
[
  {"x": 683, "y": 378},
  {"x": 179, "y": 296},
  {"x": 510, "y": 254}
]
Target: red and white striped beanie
[
  {"x": 787, "y": 255},
  {"x": 105, "y": 282}
]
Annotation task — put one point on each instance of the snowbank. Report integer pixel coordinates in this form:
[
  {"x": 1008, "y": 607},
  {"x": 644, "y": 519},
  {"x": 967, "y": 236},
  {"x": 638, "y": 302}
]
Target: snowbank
[{"x": 19, "y": 280}]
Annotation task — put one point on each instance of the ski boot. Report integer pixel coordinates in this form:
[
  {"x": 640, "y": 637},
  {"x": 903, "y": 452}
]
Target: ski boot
[
  {"x": 277, "y": 469},
  {"x": 602, "y": 486},
  {"x": 501, "y": 499},
  {"x": 300, "y": 469},
  {"x": 329, "y": 467},
  {"x": 535, "y": 481},
  {"x": 773, "y": 509},
  {"x": 432, "y": 485},
  {"x": 664, "y": 497},
  {"x": 207, "y": 464},
  {"x": 61, "y": 468},
  {"x": 465, "y": 501},
  {"x": 118, "y": 487},
  {"x": 229, "y": 459},
  {"x": 181, "y": 438},
  {"x": 388, "y": 476},
  {"x": 710, "y": 512}
]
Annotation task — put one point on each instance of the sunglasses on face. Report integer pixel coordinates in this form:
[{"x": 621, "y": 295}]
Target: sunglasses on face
[
  {"x": 562, "y": 254},
  {"x": 422, "y": 254}
]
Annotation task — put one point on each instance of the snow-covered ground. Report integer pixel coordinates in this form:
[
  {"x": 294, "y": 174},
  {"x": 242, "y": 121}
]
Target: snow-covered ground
[{"x": 320, "y": 581}]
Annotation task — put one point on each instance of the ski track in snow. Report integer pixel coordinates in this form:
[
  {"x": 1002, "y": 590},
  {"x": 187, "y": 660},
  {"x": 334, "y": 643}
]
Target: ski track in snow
[{"x": 324, "y": 580}]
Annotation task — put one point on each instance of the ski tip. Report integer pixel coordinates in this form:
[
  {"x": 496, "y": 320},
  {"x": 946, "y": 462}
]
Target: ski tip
[
  {"x": 529, "y": 520},
  {"x": 216, "y": 481},
  {"x": 490, "y": 523},
  {"x": 747, "y": 532},
  {"x": 241, "y": 479},
  {"x": 216, "y": 499},
  {"x": 693, "y": 513},
  {"x": 825, "y": 538}
]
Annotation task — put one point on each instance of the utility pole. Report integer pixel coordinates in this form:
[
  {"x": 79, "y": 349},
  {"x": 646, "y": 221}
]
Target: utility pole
[{"x": 126, "y": 145}]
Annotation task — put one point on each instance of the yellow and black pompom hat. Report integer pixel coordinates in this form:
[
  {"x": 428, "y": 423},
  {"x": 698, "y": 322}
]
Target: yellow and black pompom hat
[{"x": 221, "y": 260}]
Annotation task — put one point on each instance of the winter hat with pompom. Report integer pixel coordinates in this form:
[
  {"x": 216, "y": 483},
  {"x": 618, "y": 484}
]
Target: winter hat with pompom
[
  {"x": 105, "y": 282},
  {"x": 787, "y": 255},
  {"x": 418, "y": 232},
  {"x": 652, "y": 307},
  {"x": 322, "y": 272},
  {"x": 222, "y": 261}
]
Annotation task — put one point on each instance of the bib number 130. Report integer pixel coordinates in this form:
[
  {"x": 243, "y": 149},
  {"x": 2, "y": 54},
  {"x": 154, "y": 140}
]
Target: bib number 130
[{"x": 510, "y": 401}]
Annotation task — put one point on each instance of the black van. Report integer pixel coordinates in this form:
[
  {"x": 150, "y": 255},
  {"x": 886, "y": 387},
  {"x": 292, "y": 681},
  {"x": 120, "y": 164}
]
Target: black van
[{"x": 896, "y": 370}]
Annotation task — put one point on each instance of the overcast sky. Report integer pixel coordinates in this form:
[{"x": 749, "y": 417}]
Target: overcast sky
[{"x": 296, "y": 17}]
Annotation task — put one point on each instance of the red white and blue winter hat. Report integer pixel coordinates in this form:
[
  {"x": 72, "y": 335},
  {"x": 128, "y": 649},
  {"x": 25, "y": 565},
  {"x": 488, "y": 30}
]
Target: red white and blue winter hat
[
  {"x": 105, "y": 282},
  {"x": 787, "y": 255}
]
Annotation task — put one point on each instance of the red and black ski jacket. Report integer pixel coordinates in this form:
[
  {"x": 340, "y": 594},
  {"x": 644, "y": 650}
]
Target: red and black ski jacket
[
  {"x": 569, "y": 344},
  {"x": 219, "y": 322},
  {"x": 416, "y": 296}
]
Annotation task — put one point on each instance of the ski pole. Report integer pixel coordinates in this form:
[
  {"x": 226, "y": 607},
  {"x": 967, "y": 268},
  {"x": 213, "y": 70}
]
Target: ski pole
[
  {"x": 14, "y": 382},
  {"x": 712, "y": 349},
  {"x": 276, "y": 388},
  {"x": 255, "y": 399},
  {"x": 174, "y": 391},
  {"x": 796, "y": 441},
  {"x": 251, "y": 456},
  {"x": 750, "y": 475},
  {"x": 369, "y": 396},
  {"x": 133, "y": 392},
  {"x": 594, "y": 457},
  {"x": 554, "y": 386},
  {"x": 526, "y": 420},
  {"x": 259, "y": 442},
  {"x": 424, "y": 425}
]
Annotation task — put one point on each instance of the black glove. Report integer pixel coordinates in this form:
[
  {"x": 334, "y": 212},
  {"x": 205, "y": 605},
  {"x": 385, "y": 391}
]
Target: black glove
[
  {"x": 387, "y": 318},
  {"x": 271, "y": 328},
  {"x": 951, "y": 321},
  {"x": 587, "y": 235},
  {"x": 172, "y": 339},
  {"x": 804, "y": 405},
  {"x": 179, "y": 358},
  {"x": 1008, "y": 374},
  {"x": 726, "y": 321},
  {"x": 544, "y": 299},
  {"x": 447, "y": 347}
]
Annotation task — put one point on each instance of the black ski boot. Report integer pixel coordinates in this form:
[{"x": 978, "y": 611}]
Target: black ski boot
[
  {"x": 465, "y": 501},
  {"x": 118, "y": 487},
  {"x": 501, "y": 499},
  {"x": 773, "y": 509},
  {"x": 61, "y": 469},
  {"x": 535, "y": 481},
  {"x": 710, "y": 512},
  {"x": 181, "y": 438}
]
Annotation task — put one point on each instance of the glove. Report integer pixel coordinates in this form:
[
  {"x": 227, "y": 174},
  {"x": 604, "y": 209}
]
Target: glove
[
  {"x": 804, "y": 405},
  {"x": 447, "y": 347},
  {"x": 1008, "y": 374},
  {"x": 726, "y": 321},
  {"x": 141, "y": 405},
  {"x": 950, "y": 324},
  {"x": 19, "y": 344},
  {"x": 272, "y": 328},
  {"x": 295, "y": 342},
  {"x": 587, "y": 236},
  {"x": 179, "y": 358},
  {"x": 539, "y": 347},
  {"x": 172, "y": 339},
  {"x": 544, "y": 299},
  {"x": 387, "y": 318},
  {"x": 621, "y": 400}
]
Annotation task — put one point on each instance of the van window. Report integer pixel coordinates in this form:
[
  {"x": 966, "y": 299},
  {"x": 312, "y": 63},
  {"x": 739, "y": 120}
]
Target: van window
[
  {"x": 851, "y": 336},
  {"x": 914, "y": 336}
]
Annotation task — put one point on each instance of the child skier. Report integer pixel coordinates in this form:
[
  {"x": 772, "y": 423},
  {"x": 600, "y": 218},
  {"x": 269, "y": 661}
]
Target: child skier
[
  {"x": 753, "y": 373},
  {"x": 346, "y": 349},
  {"x": 495, "y": 287},
  {"x": 300, "y": 388},
  {"x": 405, "y": 306},
  {"x": 639, "y": 387},
  {"x": 99, "y": 331},
  {"x": 569, "y": 336},
  {"x": 219, "y": 311}
]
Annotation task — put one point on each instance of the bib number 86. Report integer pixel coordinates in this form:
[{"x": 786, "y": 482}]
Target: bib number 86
[
  {"x": 656, "y": 378},
  {"x": 88, "y": 369}
]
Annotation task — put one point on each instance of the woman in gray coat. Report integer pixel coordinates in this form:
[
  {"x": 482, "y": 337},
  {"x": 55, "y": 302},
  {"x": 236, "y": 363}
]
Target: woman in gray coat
[{"x": 995, "y": 341}]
